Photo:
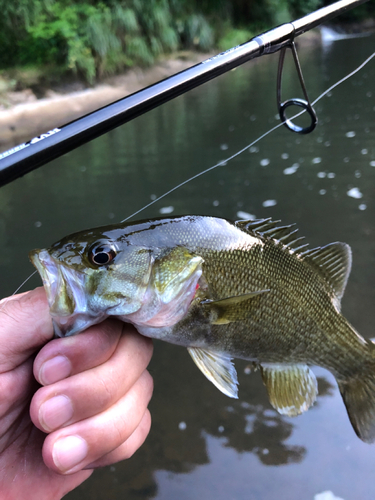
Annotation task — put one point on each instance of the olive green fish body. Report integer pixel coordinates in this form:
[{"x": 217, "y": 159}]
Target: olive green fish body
[{"x": 224, "y": 290}]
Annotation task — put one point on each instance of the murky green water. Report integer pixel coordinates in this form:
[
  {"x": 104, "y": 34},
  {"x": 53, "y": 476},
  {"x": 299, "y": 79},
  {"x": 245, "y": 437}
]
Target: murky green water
[{"x": 202, "y": 444}]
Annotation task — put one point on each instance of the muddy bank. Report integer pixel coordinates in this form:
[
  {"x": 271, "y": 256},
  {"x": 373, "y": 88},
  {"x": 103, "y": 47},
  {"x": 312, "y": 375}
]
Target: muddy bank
[{"x": 26, "y": 116}]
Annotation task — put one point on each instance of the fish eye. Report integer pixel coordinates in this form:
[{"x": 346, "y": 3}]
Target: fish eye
[{"x": 102, "y": 253}]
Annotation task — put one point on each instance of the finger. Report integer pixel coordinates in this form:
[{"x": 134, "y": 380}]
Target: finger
[
  {"x": 67, "y": 356},
  {"x": 15, "y": 389},
  {"x": 73, "y": 448},
  {"x": 129, "y": 447},
  {"x": 93, "y": 391},
  {"x": 25, "y": 325}
]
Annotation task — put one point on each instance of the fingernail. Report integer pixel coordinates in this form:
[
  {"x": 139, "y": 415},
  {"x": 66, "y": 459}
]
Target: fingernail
[
  {"x": 55, "y": 412},
  {"x": 68, "y": 452},
  {"x": 55, "y": 369}
]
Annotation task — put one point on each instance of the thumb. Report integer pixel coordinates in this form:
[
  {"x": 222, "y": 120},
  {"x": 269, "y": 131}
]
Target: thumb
[{"x": 25, "y": 325}]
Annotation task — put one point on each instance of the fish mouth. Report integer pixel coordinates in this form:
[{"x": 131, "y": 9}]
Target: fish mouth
[{"x": 65, "y": 290}]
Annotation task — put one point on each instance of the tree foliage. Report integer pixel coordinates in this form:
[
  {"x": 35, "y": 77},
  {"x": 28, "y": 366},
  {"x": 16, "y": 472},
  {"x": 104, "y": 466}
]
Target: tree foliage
[{"x": 97, "y": 37}]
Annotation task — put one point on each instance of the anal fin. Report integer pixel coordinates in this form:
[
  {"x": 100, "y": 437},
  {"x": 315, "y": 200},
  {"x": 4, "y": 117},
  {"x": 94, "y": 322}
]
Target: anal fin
[
  {"x": 218, "y": 368},
  {"x": 292, "y": 389}
]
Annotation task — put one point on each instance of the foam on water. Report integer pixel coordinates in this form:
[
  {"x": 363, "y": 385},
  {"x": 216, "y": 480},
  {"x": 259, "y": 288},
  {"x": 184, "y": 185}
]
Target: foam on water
[
  {"x": 326, "y": 495},
  {"x": 245, "y": 215},
  {"x": 166, "y": 210},
  {"x": 291, "y": 170},
  {"x": 269, "y": 203},
  {"x": 355, "y": 193}
]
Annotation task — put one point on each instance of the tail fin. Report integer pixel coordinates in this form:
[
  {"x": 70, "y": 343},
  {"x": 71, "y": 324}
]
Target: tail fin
[{"x": 359, "y": 398}]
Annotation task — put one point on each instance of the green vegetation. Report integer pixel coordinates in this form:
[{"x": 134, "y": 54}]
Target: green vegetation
[{"x": 99, "y": 37}]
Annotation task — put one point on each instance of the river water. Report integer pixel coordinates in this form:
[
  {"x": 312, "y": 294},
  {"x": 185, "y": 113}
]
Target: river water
[{"x": 203, "y": 444}]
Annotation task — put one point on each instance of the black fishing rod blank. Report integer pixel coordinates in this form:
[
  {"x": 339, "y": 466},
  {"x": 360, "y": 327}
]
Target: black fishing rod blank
[{"x": 32, "y": 154}]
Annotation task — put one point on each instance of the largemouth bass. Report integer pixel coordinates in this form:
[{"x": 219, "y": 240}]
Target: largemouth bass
[{"x": 224, "y": 290}]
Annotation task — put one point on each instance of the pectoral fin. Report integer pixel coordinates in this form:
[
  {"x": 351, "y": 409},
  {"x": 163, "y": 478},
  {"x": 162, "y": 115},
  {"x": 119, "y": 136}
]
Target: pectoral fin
[
  {"x": 230, "y": 308},
  {"x": 218, "y": 368},
  {"x": 292, "y": 389}
]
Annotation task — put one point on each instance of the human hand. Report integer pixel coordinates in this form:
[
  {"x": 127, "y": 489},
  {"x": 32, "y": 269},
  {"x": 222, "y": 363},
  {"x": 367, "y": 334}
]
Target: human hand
[{"x": 92, "y": 403}]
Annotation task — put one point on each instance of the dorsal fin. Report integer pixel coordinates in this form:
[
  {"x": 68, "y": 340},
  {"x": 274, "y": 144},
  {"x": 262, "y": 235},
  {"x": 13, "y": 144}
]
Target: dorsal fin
[
  {"x": 269, "y": 229},
  {"x": 333, "y": 262}
]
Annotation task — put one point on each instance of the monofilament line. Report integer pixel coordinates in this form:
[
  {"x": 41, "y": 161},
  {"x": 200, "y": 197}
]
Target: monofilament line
[
  {"x": 14, "y": 293},
  {"x": 224, "y": 162},
  {"x": 26, "y": 280}
]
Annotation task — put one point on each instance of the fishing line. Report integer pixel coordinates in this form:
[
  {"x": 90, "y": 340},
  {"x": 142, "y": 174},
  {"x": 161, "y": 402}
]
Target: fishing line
[
  {"x": 4, "y": 302},
  {"x": 224, "y": 162}
]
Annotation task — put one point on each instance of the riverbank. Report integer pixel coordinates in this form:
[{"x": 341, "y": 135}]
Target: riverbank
[{"x": 26, "y": 115}]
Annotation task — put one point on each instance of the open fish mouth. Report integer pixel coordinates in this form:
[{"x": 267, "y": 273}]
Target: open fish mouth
[
  {"x": 65, "y": 294},
  {"x": 48, "y": 270}
]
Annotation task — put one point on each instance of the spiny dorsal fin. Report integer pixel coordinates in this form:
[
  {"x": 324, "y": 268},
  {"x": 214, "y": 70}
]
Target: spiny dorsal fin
[
  {"x": 292, "y": 389},
  {"x": 218, "y": 368},
  {"x": 269, "y": 229},
  {"x": 333, "y": 262}
]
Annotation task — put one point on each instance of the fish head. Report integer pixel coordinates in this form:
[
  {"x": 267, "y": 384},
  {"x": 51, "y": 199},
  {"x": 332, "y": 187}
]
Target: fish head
[
  {"x": 88, "y": 277},
  {"x": 91, "y": 275}
]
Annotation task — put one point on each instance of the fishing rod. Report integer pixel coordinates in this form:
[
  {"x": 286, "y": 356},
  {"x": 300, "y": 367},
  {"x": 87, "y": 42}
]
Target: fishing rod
[{"x": 30, "y": 155}]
